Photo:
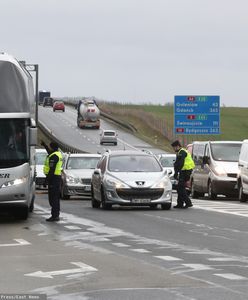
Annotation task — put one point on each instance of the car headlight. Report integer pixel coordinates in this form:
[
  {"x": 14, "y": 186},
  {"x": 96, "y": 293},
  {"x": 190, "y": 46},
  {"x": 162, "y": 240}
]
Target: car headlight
[
  {"x": 71, "y": 179},
  {"x": 114, "y": 183},
  {"x": 163, "y": 184},
  {"x": 220, "y": 171},
  {"x": 16, "y": 181}
]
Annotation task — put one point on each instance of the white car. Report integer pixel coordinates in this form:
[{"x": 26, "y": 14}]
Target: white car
[
  {"x": 108, "y": 136},
  {"x": 167, "y": 161},
  {"x": 76, "y": 174},
  {"x": 40, "y": 157}
]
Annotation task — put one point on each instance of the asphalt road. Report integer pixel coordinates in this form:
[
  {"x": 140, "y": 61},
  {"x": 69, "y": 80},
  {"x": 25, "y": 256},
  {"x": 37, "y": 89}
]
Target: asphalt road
[
  {"x": 124, "y": 253},
  {"x": 64, "y": 127}
]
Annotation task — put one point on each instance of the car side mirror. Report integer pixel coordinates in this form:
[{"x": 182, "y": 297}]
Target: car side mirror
[
  {"x": 97, "y": 172},
  {"x": 205, "y": 160},
  {"x": 169, "y": 172}
]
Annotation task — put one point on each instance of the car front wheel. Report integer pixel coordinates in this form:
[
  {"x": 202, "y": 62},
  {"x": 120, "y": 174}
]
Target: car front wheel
[
  {"x": 104, "y": 204},
  {"x": 166, "y": 206},
  {"x": 242, "y": 196},
  {"x": 211, "y": 195}
]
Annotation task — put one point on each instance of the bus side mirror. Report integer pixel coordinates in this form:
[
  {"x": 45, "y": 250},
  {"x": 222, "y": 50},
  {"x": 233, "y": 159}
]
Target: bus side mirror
[{"x": 33, "y": 136}]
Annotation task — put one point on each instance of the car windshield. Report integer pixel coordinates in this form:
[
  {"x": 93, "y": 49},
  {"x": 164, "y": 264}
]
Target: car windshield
[
  {"x": 82, "y": 162},
  {"x": 13, "y": 142},
  {"x": 40, "y": 158},
  {"x": 226, "y": 151},
  {"x": 167, "y": 161},
  {"x": 109, "y": 133},
  {"x": 133, "y": 163}
]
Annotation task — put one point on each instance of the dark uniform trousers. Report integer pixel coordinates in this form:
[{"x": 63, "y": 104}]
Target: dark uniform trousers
[
  {"x": 184, "y": 176},
  {"x": 54, "y": 183}
]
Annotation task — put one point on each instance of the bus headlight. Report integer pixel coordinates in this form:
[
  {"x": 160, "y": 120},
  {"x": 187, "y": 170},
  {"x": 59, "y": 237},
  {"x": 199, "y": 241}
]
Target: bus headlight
[{"x": 16, "y": 181}]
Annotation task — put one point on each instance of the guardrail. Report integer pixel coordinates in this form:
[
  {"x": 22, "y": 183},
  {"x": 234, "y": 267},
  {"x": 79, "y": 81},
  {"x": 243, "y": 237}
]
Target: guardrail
[{"x": 63, "y": 146}]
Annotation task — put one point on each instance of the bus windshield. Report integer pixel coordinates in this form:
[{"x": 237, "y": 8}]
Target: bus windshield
[{"x": 13, "y": 142}]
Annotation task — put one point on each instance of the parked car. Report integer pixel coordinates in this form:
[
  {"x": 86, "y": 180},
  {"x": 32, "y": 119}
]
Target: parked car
[
  {"x": 242, "y": 180},
  {"x": 76, "y": 174},
  {"x": 48, "y": 101},
  {"x": 108, "y": 136},
  {"x": 216, "y": 168},
  {"x": 167, "y": 161},
  {"x": 40, "y": 156},
  {"x": 131, "y": 178},
  {"x": 59, "y": 105}
]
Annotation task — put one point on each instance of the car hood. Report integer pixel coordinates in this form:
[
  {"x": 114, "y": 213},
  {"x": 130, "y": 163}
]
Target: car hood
[
  {"x": 228, "y": 166},
  {"x": 39, "y": 171},
  {"x": 79, "y": 173},
  {"x": 139, "y": 179}
]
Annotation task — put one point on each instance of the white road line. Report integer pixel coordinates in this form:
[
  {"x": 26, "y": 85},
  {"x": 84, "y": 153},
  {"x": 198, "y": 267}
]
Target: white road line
[
  {"x": 120, "y": 245},
  {"x": 140, "y": 250},
  {"x": 168, "y": 258},
  {"x": 19, "y": 242},
  {"x": 231, "y": 276},
  {"x": 223, "y": 259},
  {"x": 73, "y": 227}
]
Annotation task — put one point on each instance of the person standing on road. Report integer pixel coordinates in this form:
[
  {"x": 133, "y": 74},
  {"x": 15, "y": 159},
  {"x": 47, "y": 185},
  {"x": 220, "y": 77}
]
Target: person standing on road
[
  {"x": 183, "y": 167},
  {"x": 52, "y": 169}
]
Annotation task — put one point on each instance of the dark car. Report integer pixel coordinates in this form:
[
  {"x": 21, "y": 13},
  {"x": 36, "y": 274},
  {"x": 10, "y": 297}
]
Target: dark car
[
  {"x": 59, "y": 105},
  {"x": 48, "y": 101}
]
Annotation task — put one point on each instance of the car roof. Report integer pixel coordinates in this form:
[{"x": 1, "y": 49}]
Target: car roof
[
  {"x": 127, "y": 152},
  {"x": 83, "y": 155},
  {"x": 40, "y": 150}
]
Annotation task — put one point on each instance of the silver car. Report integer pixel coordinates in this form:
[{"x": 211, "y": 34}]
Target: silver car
[
  {"x": 40, "y": 157},
  {"x": 131, "y": 178},
  {"x": 108, "y": 136},
  {"x": 77, "y": 173}
]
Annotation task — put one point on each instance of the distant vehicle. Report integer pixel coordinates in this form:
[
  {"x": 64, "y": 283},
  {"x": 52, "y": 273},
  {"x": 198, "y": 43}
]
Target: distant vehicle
[
  {"x": 48, "y": 101},
  {"x": 40, "y": 157},
  {"x": 59, "y": 105},
  {"x": 18, "y": 137},
  {"x": 167, "y": 161},
  {"x": 77, "y": 173},
  {"x": 42, "y": 95},
  {"x": 88, "y": 114},
  {"x": 216, "y": 168},
  {"x": 243, "y": 172},
  {"x": 131, "y": 178},
  {"x": 108, "y": 136}
]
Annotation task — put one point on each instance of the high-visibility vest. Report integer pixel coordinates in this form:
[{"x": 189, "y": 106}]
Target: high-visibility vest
[
  {"x": 46, "y": 165},
  {"x": 58, "y": 168},
  {"x": 188, "y": 161}
]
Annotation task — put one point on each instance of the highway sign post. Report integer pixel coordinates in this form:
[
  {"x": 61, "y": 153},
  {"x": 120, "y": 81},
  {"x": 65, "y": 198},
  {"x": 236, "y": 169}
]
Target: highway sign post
[{"x": 197, "y": 115}]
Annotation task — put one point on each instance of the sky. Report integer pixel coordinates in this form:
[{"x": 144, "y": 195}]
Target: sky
[{"x": 132, "y": 51}]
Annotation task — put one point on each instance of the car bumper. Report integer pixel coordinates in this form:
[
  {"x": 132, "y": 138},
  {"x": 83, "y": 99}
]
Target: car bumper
[
  {"x": 227, "y": 186},
  {"x": 78, "y": 190},
  {"x": 138, "y": 198}
]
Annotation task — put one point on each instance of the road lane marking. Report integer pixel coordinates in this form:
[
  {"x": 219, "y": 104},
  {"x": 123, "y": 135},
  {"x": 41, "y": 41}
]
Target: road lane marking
[
  {"x": 140, "y": 250},
  {"x": 231, "y": 276},
  {"x": 83, "y": 268},
  {"x": 20, "y": 242},
  {"x": 73, "y": 227},
  {"x": 169, "y": 258},
  {"x": 223, "y": 259},
  {"x": 120, "y": 245}
]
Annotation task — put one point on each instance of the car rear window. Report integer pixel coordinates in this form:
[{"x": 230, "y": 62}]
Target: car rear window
[{"x": 109, "y": 133}]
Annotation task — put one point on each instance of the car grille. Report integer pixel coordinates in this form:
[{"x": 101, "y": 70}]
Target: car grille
[
  {"x": 234, "y": 175},
  {"x": 40, "y": 180},
  {"x": 86, "y": 181},
  {"x": 129, "y": 194}
]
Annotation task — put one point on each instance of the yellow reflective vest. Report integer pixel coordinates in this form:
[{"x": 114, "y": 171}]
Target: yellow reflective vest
[
  {"x": 58, "y": 168},
  {"x": 188, "y": 161}
]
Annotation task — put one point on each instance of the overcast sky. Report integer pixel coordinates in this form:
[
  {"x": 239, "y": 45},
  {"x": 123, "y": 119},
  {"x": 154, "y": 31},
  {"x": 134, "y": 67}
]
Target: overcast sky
[{"x": 132, "y": 50}]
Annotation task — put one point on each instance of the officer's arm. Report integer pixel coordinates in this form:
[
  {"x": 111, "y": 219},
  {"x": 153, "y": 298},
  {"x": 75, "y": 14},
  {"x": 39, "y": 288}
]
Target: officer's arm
[{"x": 53, "y": 160}]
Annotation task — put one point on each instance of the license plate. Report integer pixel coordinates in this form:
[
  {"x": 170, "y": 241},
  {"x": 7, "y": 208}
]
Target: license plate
[
  {"x": 87, "y": 188},
  {"x": 141, "y": 200}
]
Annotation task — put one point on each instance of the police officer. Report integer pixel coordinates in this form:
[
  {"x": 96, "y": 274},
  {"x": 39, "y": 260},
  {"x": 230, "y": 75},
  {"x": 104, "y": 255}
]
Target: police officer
[
  {"x": 183, "y": 167},
  {"x": 52, "y": 169}
]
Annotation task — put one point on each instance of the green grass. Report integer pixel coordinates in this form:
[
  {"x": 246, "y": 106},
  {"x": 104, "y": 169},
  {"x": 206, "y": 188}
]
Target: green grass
[{"x": 234, "y": 122}]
